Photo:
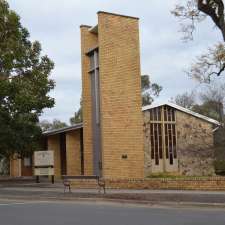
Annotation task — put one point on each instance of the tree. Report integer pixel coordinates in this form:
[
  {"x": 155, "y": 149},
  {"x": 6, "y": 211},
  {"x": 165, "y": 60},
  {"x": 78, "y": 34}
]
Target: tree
[
  {"x": 212, "y": 62},
  {"x": 24, "y": 86},
  {"x": 48, "y": 126},
  {"x": 212, "y": 99},
  {"x": 209, "y": 108},
  {"x": 77, "y": 118},
  {"x": 149, "y": 90},
  {"x": 185, "y": 100}
]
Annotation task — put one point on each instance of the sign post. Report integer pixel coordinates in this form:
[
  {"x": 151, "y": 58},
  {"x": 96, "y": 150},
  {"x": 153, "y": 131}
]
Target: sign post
[{"x": 44, "y": 164}]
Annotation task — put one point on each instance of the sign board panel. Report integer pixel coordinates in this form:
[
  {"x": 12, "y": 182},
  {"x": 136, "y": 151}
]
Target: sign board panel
[
  {"x": 44, "y": 171},
  {"x": 43, "y": 158}
]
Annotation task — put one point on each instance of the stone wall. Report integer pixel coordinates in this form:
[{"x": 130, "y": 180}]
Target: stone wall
[
  {"x": 194, "y": 145},
  {"x": 147, "y": 148},
  {"x": 195, "y": 149}
]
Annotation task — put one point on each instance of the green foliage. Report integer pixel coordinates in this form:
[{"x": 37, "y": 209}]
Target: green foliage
[
  {"x": 4, "y": 167},
  {"x": 219, "y": 141},
  {"x": 24, "y": 86},
  {"x": 77, "y": 118},
  {"x": 211, "y": 109},
  {"x": 211, "y": 98},
  {"x": 149, "y": 90},
  {"x": 220, "y": 167}
]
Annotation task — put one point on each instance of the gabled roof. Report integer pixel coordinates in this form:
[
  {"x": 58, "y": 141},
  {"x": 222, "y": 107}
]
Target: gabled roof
[
  {"x": 182, "y": 109},
  {"x": 63, "y": 130}
]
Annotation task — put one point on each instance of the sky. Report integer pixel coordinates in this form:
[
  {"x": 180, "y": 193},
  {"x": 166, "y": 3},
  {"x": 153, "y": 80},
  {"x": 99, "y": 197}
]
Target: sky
[{"x": 164, "y": 56}]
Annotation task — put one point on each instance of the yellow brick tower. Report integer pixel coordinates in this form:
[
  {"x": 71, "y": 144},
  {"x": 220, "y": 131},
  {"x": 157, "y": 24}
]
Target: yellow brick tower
[{"x": 111, "y": 92}]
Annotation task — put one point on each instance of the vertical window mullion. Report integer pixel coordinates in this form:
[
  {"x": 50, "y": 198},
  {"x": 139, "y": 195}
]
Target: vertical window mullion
[
  {"x": 96, "y": 74},
  {"x": 152, "y": 141}
]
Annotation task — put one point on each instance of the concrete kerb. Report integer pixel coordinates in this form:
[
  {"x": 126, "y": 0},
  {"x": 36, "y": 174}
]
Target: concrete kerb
[{"x": 127, "y": 202}]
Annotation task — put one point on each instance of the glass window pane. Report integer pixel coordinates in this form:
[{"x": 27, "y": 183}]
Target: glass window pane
[{"x": 92, "y": 62}]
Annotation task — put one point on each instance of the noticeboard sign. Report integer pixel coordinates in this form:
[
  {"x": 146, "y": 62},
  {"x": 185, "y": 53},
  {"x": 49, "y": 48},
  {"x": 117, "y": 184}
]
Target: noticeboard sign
[
  {"x": 44, "y": 171},
  {"x": 43, "y": 158}
]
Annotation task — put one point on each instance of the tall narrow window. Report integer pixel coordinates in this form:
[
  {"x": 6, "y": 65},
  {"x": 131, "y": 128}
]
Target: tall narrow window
[
  {"x": 95, "y": 98},
  {"x": 163, "y": 134},
  {"x": 170, "y": 134},
  {"x": 156, "y": 135},
  {"x": 94, "y": 72}
]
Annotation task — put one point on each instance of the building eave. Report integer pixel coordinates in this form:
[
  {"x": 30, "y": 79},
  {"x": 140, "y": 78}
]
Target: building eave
[
  {"x": 63, "y": 130},
  {"x": 94, "y": 29},
  {"x": 182, "y": 109},
  {"x": 117, "y": 14}
]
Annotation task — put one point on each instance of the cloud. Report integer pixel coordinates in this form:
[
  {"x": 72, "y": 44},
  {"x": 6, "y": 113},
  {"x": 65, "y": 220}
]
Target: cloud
[{"x": 164, "y": 56}]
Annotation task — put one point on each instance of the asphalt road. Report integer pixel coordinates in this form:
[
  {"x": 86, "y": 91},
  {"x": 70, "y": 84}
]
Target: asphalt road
[{"x": 70, "y": 213}]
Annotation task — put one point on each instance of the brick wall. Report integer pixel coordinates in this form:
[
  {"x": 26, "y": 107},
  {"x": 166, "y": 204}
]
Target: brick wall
[
  {"x": 54, "y": 145},
  {"x": 207, "y": 183},
  {"x": 73, "y": 156},
  {"x": 213, "y": 183},
  {"x": 120, "y": 96},
  {"x": 88, "y": 40},
  {"x": 15, "y": 167}
]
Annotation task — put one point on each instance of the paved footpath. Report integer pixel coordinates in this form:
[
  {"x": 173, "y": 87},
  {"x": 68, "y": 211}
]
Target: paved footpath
[{"x": 46, "y": 191}]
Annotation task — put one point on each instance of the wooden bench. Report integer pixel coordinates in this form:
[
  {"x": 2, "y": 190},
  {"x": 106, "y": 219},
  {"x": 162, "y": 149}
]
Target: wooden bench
[{"x": 67, "y": 181}]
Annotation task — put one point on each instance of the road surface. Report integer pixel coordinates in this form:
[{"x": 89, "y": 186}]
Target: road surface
[{"x": 84, "y": 213}]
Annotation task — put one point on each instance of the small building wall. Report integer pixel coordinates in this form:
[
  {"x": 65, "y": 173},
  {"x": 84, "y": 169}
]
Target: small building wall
[
  {"x": 194, "y": 145},
  {"x": 26, "y": 171},
  {"x": 54, "y": 145},
  {"x": 73, "y": 153},
  {"x": 15, "y": 167}
]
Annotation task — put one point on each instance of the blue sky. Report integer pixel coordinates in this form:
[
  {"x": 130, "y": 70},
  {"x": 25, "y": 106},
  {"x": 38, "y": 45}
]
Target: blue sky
[{"x": 164, "y": 56}]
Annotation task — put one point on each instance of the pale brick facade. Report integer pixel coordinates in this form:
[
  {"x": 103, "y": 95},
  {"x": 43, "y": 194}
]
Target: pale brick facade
[
  {"x": 88, "y": 40},
  {"x": 54, "y": 145},
  {"x": 117, "y": 39},
  {"x": 73, "y": 153}
]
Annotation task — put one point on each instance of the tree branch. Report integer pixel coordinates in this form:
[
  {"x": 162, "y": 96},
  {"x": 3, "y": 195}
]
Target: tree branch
[{"x": 215, "y": 10}]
